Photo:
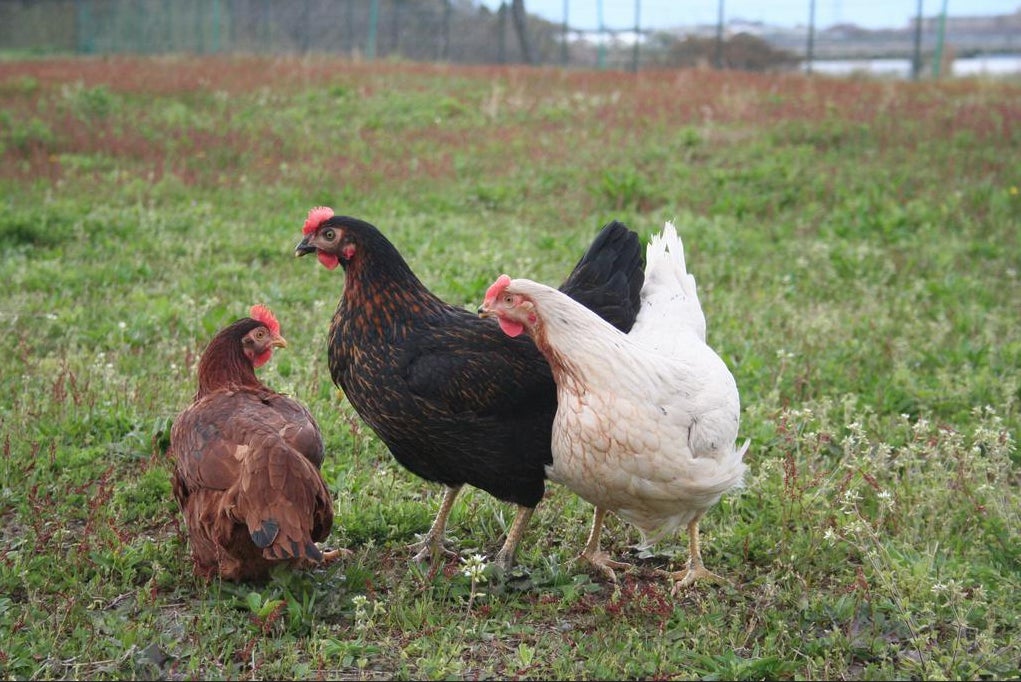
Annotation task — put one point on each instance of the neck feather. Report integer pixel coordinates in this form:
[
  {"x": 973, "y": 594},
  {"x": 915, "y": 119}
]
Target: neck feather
[
  {"x": 224, "y": 365},
  {"x": 381, "y": 284},
  {"x": 575, "y": 341}
]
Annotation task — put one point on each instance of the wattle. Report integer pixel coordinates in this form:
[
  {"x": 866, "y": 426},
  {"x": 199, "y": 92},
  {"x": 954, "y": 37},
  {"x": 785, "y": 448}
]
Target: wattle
[
  {"x": 510, "y": 328},
  {"x": 328, "y": 260}
]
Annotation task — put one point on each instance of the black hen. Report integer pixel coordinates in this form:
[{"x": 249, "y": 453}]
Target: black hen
[{"x": 456, "y": 400}]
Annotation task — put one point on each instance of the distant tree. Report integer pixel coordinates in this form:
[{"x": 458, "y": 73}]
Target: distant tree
[{"x": 742, "y": 51}]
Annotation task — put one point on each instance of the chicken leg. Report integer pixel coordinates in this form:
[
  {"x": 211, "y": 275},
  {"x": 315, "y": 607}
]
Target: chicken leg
[
  {"x": 594, "y": 555},
  {"x": 331, "y": 555},
  {"x": 431, "y": 544},
  {"x": 695, "y": 570},
  {"x": 505, "y": 557}
]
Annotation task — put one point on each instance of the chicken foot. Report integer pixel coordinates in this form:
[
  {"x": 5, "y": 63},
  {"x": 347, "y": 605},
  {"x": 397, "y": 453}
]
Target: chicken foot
[
  {"x": 331, "y": 555},
  {"x": 596, "y": 556},
  {"x": 695, "y": 570},
  {"x": 431, "y": 544},
  {"x": 505, "y": 557}
]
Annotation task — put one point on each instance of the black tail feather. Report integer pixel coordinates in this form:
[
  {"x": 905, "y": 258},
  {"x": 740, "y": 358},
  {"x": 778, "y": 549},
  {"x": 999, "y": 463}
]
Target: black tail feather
[
  {"x": 265, "y": 535},
  {"x": 609, "y": 277}
]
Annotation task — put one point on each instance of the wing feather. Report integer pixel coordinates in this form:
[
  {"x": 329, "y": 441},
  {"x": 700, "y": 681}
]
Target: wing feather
[{"x": 248, "y": 482}]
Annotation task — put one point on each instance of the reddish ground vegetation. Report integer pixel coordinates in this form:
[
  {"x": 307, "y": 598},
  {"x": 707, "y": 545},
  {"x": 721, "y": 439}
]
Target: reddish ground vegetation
[{"x": 515, "y": 107}]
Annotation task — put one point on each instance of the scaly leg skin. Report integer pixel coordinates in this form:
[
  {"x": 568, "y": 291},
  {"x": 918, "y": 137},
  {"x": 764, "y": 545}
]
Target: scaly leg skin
[
  {"x": 331, "y": 555},
  {"x": 696, "y": 570},
  {"x": 596, "y": 556},
  {"x": 505, "y": 557},
  {"x": 431, "y": 544}
]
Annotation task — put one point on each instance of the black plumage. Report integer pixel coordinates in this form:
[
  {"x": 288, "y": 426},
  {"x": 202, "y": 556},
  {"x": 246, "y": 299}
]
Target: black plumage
[{"x": 454, "y": 399}]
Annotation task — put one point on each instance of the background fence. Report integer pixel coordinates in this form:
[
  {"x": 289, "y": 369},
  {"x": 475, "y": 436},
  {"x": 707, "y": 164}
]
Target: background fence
[{"x": 466, "y": 31}]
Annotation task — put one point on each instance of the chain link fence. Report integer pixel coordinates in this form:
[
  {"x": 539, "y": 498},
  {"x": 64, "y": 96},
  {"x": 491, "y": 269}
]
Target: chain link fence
[{"x": 465, "y": 31}]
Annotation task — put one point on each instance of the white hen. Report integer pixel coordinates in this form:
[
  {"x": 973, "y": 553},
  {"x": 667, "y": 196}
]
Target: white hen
[{"x": 647, "y": 422}]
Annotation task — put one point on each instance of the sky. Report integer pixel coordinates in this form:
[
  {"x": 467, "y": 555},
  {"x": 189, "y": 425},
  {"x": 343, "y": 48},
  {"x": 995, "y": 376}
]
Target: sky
[{"x": 662, "y": 14}]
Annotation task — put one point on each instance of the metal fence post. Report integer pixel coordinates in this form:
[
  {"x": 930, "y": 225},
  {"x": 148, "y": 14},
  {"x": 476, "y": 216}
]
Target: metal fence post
[
  {"x": 719, "y": 37},
  {"x": 916, "y": 60},
  {"x": 810, "y": 48},
  {"x": 370, "y": 49},
  {"x": 83, "y": 36},
  {"x": 937, "y": 58},
  {"x": 216, "y": 26},
  {"x": 564, "y": 52},
  {"x": 638, "y": 32}
]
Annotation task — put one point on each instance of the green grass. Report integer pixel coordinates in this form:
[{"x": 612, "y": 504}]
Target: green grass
[{"x": 856, "y": 248}]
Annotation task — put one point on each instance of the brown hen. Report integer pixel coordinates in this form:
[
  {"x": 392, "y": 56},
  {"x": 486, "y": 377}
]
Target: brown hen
[{"x": 247, "y": 462}]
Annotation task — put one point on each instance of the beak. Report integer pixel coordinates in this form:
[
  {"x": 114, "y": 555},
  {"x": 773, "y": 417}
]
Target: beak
[
  {"x": 303, "y": 247},
  {"x": 484, "y": 311},
  {"x": 278, "y": 341}
]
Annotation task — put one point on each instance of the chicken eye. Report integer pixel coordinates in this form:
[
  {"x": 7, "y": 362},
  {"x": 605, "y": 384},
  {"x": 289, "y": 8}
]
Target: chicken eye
[{"x": 329, "y": 234}]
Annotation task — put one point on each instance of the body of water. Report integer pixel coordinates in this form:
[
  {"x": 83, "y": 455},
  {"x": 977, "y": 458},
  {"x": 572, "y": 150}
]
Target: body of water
[{"x": 986, "y": 65}]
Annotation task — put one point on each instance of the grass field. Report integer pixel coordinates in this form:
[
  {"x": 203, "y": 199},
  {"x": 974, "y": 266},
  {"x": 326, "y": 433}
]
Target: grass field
[{"x": 856, "y": 245}]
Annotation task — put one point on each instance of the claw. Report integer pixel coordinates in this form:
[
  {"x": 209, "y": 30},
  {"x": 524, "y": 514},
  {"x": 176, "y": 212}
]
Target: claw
[
  {"x": 695, "y": 570},
  {"x": 331, "y": 555},
  {"x": 504, "y": 560},
  {"x": 432, "y": 543},
  {"x": 431, "y": 548},
  {"x": 328, "y": 557},
  {"x": 690, "y": 575},
  {"x": 602, "y": 561},
  {"x": 596, "y": 556}
]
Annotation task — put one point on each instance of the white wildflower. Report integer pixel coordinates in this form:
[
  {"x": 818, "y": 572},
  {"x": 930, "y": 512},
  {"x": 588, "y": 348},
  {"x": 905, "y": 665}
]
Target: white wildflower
[
  {"x": 849, "y": 500},
  {"x": 474, "y": 568},
  {"x": 363, "y": 619}
]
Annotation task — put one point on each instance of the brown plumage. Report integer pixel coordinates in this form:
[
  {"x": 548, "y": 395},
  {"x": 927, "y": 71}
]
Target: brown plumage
[
  {"x": 455, "y": 400},
  {"x": 247, "y": 462}
]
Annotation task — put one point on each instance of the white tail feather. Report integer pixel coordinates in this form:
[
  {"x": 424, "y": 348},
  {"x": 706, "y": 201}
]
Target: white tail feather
[{"x": 669, "y": 296}]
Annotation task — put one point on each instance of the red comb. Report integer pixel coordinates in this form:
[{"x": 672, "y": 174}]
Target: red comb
[
  {"x": 265, "y": 315},
  {"x": 315, "y": 218},
  {"x": 496, "y": 287}
]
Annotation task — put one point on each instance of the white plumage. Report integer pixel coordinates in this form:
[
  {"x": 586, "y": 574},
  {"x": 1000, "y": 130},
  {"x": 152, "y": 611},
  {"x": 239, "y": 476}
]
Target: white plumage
[
  {"x": 647, "y": 422},
  {"x": 670, "y": 309}
]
